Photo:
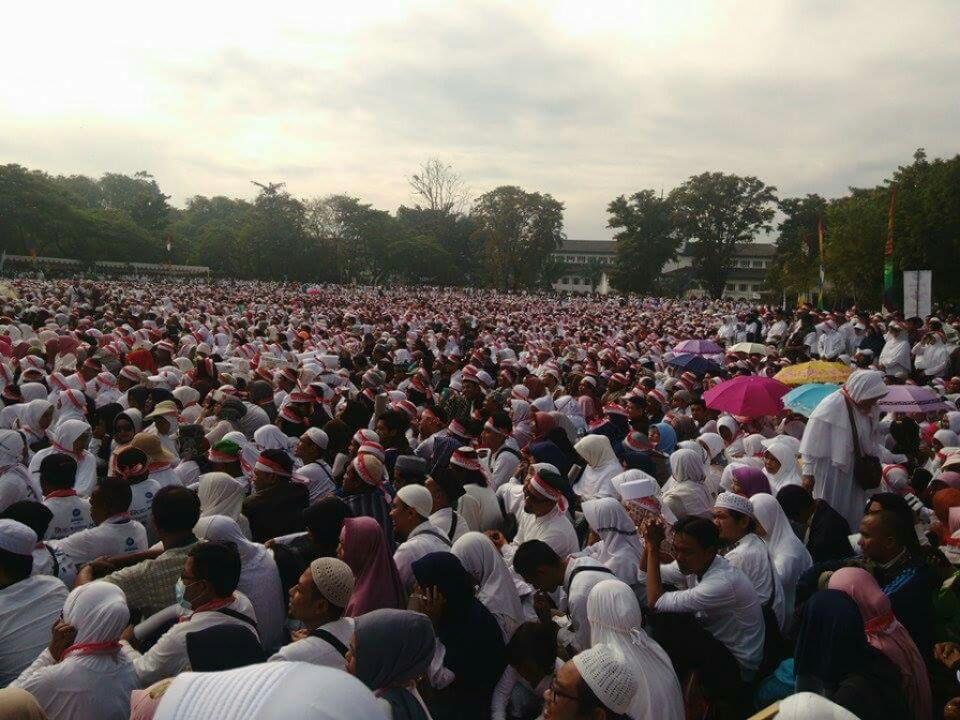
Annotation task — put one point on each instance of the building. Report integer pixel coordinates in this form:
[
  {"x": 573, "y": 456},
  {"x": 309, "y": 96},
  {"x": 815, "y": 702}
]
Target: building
[{"x": 590, "y": 261}]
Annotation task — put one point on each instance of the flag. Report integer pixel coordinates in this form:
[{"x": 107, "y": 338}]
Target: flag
[
  {"x": 822, "y": 275},
  {"x": 889, "y": 298}
]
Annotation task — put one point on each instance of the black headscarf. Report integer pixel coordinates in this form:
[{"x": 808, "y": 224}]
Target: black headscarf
[{"x": 831, "y": 642}]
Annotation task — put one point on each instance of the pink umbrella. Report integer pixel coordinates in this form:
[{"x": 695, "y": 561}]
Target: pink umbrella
[
  {"x": 912, "y": 399},
  {"x": 698, "y": 347},
  {"x": 748, "y": 396}
]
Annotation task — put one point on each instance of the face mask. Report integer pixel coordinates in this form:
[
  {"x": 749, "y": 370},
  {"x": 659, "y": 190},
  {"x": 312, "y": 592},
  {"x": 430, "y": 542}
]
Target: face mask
[{"x": 180, "y": 589}]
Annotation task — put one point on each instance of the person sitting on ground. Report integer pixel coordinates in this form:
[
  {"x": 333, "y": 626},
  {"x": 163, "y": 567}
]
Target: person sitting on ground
[
  {"x": 417, "y": 535},
  {"x": 207, "y": 594},
  {"x": 596, "y": 684},
  {"x": 277, "y": 504},
  {"x": 824, "y": 532},
  {"x": 318, "y": 601},
  {"x": 71, "y": 513}
]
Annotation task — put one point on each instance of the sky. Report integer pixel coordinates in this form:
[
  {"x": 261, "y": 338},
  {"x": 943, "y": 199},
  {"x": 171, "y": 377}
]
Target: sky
[{"x": 582, "y": 100}]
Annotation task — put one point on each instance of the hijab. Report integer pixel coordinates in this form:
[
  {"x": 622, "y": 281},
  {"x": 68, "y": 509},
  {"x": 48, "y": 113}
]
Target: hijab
[
  {"x": 99, "y": 612},
  {"x": 270, "y": 437},
  {"x": 475, "y": 651},
  {"x": 790, "y": 557},
  {"x": 392, "y": 647},
  {"x": 620, "y": 548},
  {"x": 668, "y": 438},
  {"x": 831, "y": 643},
  {"x": 751, "y": 480},
  {"x": 496, "y": 589},
  {"x": 614, "y": 615},
  {"x": 220, "y": 494},
  {"x": 30, "y": 415},
  {"x": 685, "y": 493},
  {"x": 11, "y": 450},
  {"x": 547, "y": 452},
  {"x": 602, "y": 465},
  {"x": 66, "y": 434},
  {"x": 291, "y": 690},
  {"x": 71, "y": 405},
  {"x": 377, "y": 580},
  {"x": 33, "y": 391},
  {"x": 886, "y": 634},
  {"x": 522, "y": 427},
  {"x": 788, "y": 474}
]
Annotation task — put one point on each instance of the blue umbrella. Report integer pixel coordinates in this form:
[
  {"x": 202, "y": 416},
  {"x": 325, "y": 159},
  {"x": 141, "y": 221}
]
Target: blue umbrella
[
  {"x": 697, "y": 364},
  {"x": 803, "y": 400}
]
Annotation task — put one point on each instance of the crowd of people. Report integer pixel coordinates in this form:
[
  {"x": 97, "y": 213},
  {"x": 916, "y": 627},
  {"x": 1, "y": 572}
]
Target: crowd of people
[{"x": 260, "y": 500}]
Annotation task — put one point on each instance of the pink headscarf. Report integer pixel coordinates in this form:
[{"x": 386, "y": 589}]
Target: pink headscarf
[
  {"x": 886, "y": 634},
  {"x": 377, "y": 580}
]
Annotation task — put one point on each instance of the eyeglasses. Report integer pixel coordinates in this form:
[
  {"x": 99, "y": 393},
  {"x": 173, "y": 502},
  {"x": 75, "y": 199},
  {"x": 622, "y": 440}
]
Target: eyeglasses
[{"x": 555, "y": 692}]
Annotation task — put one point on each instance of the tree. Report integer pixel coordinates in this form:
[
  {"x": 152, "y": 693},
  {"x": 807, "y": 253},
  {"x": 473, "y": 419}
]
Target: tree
[
  {"x": 593, "y": 272},
  {"x": 454, "y": 234},
  {"x": 716, "y": 213},
  {"x": 139, "y": 197},
  {"x": 356, "y": 233},
  {"x": 519, "y": 231},
  {"x": 439, "y": 187},
  {"x": 418, "y": 260},
  {"x": 795, "y": 267},
  {"x": 275, "y": 232},
  {"x": 646, "y": 240}
]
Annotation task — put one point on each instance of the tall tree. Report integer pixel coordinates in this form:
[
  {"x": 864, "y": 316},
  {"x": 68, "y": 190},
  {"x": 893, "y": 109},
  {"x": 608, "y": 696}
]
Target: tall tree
[
  {"x": 716, "y": 213},
  {"x": 452, "y": 232},
  {"x": 139, "y": 197},
  {"x": 646, "y": 240},
  {"x": 356, "y": 234},
  {"x": 438, "y": 187},
  {"x": 795, "y": 266},
  {"x": 519, "y": 231},
  {"x": 275, "y": 232}
]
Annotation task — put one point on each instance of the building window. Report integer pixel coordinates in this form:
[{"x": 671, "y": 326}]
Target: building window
[
  {"x": 758, "y": 263},
  {"x": 743, "y": 287}
]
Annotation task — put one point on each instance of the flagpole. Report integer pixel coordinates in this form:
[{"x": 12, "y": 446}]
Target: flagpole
[{"x": 889, "y": 299}]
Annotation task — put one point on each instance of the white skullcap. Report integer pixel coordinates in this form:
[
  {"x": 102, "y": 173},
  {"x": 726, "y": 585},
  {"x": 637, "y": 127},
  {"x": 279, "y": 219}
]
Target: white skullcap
[
  {"x": 608, "y": 676},
  {"x": 318, "y": 437},
  {"x": 334, "y": 580},
  {"x": 737, "y": 503},
  {"x": 417, "y": 497},
  {"x": 638, "y": 489},
  {"x": 17, "y": 538}
]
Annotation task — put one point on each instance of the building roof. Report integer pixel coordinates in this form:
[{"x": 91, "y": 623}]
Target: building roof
[{"x": 605, "y": 247}]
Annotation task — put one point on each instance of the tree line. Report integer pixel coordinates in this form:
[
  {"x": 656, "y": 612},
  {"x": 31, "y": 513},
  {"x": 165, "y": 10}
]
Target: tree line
[{"x": 504, "y": 238}]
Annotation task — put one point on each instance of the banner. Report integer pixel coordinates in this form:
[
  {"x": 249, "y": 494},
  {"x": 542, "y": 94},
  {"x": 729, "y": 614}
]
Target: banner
[
  {"x": 917, "y": 293},
  {"x": 822, "y": 276},
  {"x": 889, "y": 298}
]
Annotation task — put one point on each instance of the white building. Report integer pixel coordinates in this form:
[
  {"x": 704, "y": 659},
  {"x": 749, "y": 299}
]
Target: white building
[{"x": 584, "y": 258}]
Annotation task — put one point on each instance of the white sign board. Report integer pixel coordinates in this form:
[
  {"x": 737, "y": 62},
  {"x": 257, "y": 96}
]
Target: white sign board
[{"x": 917, "y": 293}]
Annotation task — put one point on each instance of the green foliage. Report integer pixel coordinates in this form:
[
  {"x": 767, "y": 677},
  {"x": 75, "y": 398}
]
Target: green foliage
[
  {"x": 796, "y": 266},
  {"x": 926, "y": 234},
  {"x": 646, "y": 240},
  {"x": 716, "y": 213},
  {"x": 519, "y": 230}
]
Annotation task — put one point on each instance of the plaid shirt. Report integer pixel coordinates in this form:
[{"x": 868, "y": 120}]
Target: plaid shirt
[{"x": 149, "y": 585}]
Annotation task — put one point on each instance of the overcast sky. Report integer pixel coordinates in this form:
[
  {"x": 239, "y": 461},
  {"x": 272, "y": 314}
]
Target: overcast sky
[{"x": 584, "y": 100}]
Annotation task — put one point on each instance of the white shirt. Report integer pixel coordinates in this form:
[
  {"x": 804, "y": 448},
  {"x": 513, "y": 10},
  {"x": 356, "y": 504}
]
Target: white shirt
[
  {"x": 554, "y": 528},
  {"x": 143, "y": 493},
  {"x": 28, "y": 610},
  {"x": 71, "y": 514},
  {"x": 318, "y": 651},
  {"x": 442, "y": 519},
  {"x": 114, "y": 536},
  {"x": 491, "y": 518},
  {"x": 727, "y": 605},
  {"x": 750, "y": 556},
  {"x": 574, "y": 602},
  {"x": 15, "y": 487},
  {"x": 80, "y": 687},
  {"x": 422, "y": 541},
  {"x": 86, "y": 470},
  {"x": 318, "y": 477},
  {"x": 165, "y": 477},
  {"x": 503, "y": 463},
  {"x": 169, "y": 656}
]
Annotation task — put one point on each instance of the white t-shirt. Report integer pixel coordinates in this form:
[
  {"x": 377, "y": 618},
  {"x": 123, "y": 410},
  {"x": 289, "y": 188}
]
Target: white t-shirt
[
  {"x": 71, "y": 514},
  {"x": 143, "y": 493},
  {"x": 28, "y": 610},
  {"x": 119, "y": 535},
  {"x": 318, "y": 651}
]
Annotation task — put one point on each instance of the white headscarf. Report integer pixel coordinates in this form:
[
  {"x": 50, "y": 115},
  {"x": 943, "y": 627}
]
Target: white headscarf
[
  {"x": 99, "y": 612},
  {"x": 221, "y": 494},
  {"x": 33, "y": 391},
  {"x": 789, "y": 473},
  {"x": 629, "y": 476},
  {"x": 522, "y": 427},
  {"x": 790, "y": 557},
  {"x": 685, "y": 492},
  {"x": 602, "y": 466},
  {"x": 71, "y": 405},
  {"x": 291, "y": 690},
  {"x": 248, "y": 451},
  {"x": 259, "y": 577},
  {"x": 810, "y": 706},
  {"x": 30, "y": 415},
  {"x": 11, "y": 449},
  {"x": 714, "y": 444},
  {"x": 66, "y": 434},
  {"x": 620, "y": 548},
  {"x": 270, "y": 437},
  {"x": 496, "y": 590},
  {"x": 615, "y": 620}
]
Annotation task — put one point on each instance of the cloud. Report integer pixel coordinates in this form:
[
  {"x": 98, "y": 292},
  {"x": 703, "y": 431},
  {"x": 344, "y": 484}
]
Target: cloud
[{"x": 585, "y": 102}]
